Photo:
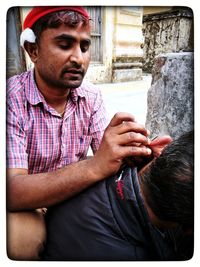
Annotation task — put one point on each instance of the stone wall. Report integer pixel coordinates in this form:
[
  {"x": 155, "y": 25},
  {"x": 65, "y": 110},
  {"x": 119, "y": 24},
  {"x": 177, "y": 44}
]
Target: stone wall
[
  {"x": 171, "y": 96},
  {"x": 166, "y": 32}
]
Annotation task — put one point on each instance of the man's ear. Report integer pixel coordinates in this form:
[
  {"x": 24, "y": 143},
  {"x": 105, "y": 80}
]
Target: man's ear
[
  {"x": 158, "y": 144},
  {"x": 32, "y": 50}
]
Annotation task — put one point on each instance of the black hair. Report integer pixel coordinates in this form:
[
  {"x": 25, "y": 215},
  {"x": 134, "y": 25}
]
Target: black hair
[
  {"x": 55, "y": 19},
  {"x": 168, "y": 184}
]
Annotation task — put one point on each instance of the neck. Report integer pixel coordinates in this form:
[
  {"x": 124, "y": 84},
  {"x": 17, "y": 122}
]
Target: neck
[
  {"x": 153, "y": 218},
  {"x": 55, "y": 100},
  {"x": 55, "y": 97}
]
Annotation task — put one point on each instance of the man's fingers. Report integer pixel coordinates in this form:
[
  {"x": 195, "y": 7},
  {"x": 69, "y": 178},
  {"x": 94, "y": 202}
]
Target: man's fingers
[
  {"x": 120, "y": 117},
  {"x": 161, "y": 141},
  {"x": 133, "y": 139},
  {"x": 129, "y": 126},
  {"x": 128, "y": 151},
  {"x": 159, "y": 144}
]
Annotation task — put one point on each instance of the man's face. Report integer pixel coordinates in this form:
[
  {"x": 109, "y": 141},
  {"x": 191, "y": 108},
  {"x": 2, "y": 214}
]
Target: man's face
[{"x": 63, "y": 56}]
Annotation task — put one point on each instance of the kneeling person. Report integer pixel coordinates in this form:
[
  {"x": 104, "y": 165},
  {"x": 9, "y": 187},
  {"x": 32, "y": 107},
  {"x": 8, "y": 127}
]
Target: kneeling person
[{"x": 132, "y": 215}]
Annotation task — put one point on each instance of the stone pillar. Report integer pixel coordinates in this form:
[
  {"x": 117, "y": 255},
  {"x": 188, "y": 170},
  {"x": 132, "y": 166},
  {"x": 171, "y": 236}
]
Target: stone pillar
[{"x": 171, "y": 96}]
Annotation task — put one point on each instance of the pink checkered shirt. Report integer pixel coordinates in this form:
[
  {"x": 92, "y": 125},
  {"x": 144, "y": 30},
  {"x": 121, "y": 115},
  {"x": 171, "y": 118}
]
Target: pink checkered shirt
[{"x": 38, "y": 138}]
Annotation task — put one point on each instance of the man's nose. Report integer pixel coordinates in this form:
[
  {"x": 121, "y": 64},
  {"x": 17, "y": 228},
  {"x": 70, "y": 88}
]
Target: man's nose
[{"x": 77, "y": 56}]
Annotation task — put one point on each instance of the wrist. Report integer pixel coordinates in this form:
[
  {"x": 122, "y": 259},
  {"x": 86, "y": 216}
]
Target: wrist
[{"x": 95, "y": 170}]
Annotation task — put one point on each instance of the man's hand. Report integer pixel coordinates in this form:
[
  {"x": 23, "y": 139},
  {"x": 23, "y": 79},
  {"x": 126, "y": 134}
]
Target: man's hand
[
  {"x": 120, "y": 140},
  {"x": 156, "y": 145}
]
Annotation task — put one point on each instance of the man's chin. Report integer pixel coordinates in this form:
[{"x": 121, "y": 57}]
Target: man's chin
[{"x": 73, "y": 83}]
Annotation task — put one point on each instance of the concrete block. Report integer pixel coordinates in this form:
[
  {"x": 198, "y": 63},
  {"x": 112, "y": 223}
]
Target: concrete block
[{"x": 170, "y": 100}]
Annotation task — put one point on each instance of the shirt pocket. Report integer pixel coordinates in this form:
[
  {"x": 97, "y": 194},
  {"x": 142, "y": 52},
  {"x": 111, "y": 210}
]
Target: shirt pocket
[{"x": 84, "y": 142}]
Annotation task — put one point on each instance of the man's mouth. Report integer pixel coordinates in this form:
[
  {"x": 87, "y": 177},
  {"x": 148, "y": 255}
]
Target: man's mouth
[{"x": 74, "y": 71}]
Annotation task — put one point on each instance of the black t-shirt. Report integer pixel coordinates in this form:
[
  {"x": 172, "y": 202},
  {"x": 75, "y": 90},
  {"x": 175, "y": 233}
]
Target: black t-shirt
[{"x": 108, "y": 221}]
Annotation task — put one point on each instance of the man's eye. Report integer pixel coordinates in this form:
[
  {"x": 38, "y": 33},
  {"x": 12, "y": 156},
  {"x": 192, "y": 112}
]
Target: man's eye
[
  {"x": 64, "y": 46},
  {"x": 85, "y": 47}
]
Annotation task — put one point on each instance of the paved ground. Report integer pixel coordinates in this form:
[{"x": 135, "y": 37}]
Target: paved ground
[{"x": 127, "y": 97}]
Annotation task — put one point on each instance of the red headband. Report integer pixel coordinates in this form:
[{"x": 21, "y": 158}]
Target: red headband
[{"x": 38, "y": 12}]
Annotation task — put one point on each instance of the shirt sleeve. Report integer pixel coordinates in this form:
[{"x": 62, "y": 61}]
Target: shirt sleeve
[
  {"x": 98, "y": 122},
  {"x": 16, "y": 156}
]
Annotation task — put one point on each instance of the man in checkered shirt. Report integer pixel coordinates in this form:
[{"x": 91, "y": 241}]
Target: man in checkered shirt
[{"x": 52, "y": 119}]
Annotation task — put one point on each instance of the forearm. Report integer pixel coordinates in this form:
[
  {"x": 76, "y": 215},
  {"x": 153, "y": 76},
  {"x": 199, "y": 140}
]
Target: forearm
[{"x": 45, "y": 189}]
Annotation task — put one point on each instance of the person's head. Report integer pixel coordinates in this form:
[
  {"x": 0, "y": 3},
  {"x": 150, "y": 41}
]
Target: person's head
[
  {"x": 60, "y": 46},
  {"x": 168, "y": 183}
]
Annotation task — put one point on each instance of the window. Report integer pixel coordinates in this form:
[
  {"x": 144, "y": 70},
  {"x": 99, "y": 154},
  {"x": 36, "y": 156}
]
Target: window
[{"x": 96, "y": 34}]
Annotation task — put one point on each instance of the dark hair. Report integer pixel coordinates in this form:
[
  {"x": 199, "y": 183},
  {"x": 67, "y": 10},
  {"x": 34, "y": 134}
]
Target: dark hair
[
  {"x": 55, "y": 19},
  {"x": 169, "y": 182}
]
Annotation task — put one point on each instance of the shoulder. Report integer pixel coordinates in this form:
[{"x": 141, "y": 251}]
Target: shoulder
[
  {"x": 16, "y": 100},
  {"x": 89, "y": 89},
  {"x": 16, "y": 84}
]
